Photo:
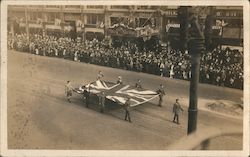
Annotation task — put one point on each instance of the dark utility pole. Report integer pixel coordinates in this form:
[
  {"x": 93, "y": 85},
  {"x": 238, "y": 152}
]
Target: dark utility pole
[
  {"x": 192, "y": 38},
  {"x": 195, "y": 48}
]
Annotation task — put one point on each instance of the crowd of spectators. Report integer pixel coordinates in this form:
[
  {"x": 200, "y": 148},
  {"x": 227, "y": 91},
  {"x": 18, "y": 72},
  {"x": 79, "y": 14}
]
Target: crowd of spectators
[{"x": 219, "y": 67}]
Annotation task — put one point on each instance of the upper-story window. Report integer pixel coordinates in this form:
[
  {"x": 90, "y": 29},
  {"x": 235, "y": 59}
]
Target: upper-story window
[
  {"x": 147, "y": 7},
  {"x": 94, "y": 19},
  {"x": 95, "y": 6},
  {"x": 119, "y": 7},
  {"x": 218, "y": 13},
  {"x": 53, "y": 6},
  {"x": 53, "y": 16},
  {"x": 72, "y": 6},
  {"x": 35, "y": 15}
]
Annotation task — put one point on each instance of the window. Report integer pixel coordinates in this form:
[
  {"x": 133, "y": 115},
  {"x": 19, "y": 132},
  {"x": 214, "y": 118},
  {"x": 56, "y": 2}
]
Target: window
[
  {"x": 53, "y": 16},
  {"x": 146, "y": 21},
  {"x": 147, "y": 7},
  {"x": 52, "y": 6},
  {"x": 94, "y": 19},
  {"x": 34, "y": 16},
  {"x": 218, "y": 13},
  {"x": 95, "y": 6},
  {"x": 72, "y": 6},
  {"x": 119, "y": 7}
]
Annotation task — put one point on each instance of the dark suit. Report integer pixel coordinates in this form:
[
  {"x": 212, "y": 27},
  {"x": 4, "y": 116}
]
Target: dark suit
[
  {"x": 102, "y": 102},
  {"x": 176, "y": 110},
  {"x": 127, "y": 110},
  {"x": 161, "y": 93}
]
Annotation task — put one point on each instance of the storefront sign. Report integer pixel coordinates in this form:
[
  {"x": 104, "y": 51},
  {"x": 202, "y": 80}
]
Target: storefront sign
[
  {"x": 174, "y": 25},
  {"x": 52, "y": 27}
]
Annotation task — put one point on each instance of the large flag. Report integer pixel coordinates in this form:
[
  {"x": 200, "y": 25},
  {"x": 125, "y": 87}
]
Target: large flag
[{"x": 119, "y": 93}]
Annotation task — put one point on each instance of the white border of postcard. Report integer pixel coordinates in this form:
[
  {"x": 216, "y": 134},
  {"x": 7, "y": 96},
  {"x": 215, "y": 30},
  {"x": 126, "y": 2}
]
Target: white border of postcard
[{"x": 10, "y": 152}]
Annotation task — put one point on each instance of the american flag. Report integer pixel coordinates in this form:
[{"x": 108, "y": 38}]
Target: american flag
[{"x": 119, "y": 93}]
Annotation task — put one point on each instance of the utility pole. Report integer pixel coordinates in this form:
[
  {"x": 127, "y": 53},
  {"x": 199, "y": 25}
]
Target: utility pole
[
  {"x": 195, "y": 48},
  {"x": 192, "y": 39}
]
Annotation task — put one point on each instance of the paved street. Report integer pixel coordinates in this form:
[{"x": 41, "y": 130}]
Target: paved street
[{"x": 40, "y": 117}]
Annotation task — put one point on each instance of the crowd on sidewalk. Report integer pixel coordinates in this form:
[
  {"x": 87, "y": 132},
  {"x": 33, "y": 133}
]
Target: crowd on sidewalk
[{"x": 219, "y": 67}]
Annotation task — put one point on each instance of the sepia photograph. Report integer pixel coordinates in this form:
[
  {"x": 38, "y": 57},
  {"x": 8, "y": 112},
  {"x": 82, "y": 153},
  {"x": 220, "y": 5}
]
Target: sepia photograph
[{"x": 124, "y": 77}]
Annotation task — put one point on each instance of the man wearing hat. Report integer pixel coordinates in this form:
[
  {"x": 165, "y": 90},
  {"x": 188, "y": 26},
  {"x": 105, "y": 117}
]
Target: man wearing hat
[
  {"x": 100, "y": 75},
  {"x": 127, "y": 109},
  {"x": 138, "y": 84},
  {"x": 68, "y": 90},
  {"x": 176, "y": 110},
  {"x": 161, "y": 93},
  {"x": 119, "y": 81},
  {"x": 102, "y": 101}
]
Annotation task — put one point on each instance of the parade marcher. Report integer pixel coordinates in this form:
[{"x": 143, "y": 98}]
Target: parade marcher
[
  {"x": 68, "y": 90},
  {"x": 86, "y": 94},
  {"x": 102, "y": 101},
  {"x": 100, "y": 75},
  {"x": 138, "y": 84},
  {"x": 119, "y": 81},
  {"x": 127, "y": 110},
  {"x": 161, "y": 93},
  {"x": 176, "y": 110}
]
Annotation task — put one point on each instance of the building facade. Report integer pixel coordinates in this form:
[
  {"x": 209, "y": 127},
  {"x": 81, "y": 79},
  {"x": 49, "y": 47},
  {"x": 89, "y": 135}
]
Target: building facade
[{"x": 115, "y": 21}]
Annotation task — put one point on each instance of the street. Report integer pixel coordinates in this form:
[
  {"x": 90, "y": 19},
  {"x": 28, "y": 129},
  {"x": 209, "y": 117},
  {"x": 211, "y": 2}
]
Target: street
[{"x": 40, "y": 117}]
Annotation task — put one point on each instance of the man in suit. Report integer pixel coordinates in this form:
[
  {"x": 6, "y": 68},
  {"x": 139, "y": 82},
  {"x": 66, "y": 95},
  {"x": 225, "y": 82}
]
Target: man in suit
[
  {"x": 138, "y": 84},
  {"x": 161, "y": 93},
  {"x": 119, "y": 81},
  {"x": 68, "y": 90},
  {"x": 100, "y": 75},
  {"x": 102, "y": 97},
  {"x": 127, "y": 110},
  {"x": 86, "y": 94},
  {"x": 176, "y": 110}
]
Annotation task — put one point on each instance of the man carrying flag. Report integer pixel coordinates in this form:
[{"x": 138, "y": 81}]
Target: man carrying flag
[
  {"x": 102, "y": 101},
  {"x": 100, "y": 75},
  {"x": 68, "y": 90},
  {"x": 127, "y": 109},
  {"x": 138, "y": 84},
  {"x": 161, "y": 93},
  {"x": 119, "y": 81}
]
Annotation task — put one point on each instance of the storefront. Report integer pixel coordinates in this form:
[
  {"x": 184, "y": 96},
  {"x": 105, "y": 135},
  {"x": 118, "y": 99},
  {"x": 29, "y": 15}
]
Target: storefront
[{"x": 144, "y": 37}]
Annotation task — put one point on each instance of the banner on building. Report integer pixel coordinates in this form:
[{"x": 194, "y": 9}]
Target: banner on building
[
  {"x": 39, "y": 21},
  {"x": 121, "y": 30},
  {"x": 78, "y": 23},
  {"x": 68, "y": 28},
  {"x": 57, "y": 22},
  {"x": 53, "y": 27}
]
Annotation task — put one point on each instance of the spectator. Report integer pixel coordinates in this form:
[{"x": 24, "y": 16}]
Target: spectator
[{"x": 219, "y": 67}]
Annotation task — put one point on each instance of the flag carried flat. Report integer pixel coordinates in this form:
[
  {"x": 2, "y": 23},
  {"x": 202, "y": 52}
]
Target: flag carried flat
[{"x": 119, "y": 93}]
